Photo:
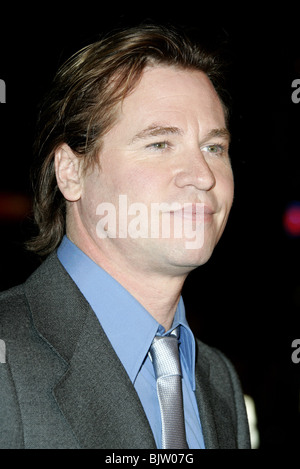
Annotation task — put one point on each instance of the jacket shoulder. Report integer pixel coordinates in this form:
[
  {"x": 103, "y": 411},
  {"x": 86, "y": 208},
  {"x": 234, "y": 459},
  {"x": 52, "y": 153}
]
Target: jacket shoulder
[
  {"x": 220, "y": 366},
  {"x": 13, "y": 307},
  {"x": 226, "y": 387},
  {"x": 14, "y": 319},
  {"x": 222, "y": 373},
  {"x": 15, "y": 302},
  {"x": 31, "y": 367}
]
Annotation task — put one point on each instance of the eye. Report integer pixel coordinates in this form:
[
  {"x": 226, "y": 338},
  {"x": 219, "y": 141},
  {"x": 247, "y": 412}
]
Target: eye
[
  {"x": 158, "y": 146},
  {"x": 215, "y": 149}
]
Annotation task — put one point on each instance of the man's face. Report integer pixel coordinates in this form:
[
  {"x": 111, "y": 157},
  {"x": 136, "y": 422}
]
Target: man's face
[{"x": 169, "y": 145}]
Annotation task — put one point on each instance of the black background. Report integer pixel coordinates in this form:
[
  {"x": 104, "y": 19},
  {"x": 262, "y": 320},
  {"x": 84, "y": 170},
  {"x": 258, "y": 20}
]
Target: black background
[{"x": 246, "y": 299}]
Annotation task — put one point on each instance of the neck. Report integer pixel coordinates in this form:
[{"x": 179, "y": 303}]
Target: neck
[{"x": 159, "y": 294}]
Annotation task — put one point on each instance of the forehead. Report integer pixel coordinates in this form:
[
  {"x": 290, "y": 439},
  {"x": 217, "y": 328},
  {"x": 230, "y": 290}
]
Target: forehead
[{"x": 171, "y": 94}]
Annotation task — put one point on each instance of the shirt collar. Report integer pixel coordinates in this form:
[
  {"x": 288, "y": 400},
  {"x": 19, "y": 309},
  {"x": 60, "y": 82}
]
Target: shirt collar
[{"x": 127, "y": 324}]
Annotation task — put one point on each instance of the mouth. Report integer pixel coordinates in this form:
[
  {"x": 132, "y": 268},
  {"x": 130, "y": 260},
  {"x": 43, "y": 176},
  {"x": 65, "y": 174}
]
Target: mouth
[{"x": 196, "y": 212}]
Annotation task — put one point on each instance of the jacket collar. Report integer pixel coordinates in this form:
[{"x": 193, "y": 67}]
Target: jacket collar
[
  {"x": 94, "y": 392},
  {"x": 217, "y": 425}
]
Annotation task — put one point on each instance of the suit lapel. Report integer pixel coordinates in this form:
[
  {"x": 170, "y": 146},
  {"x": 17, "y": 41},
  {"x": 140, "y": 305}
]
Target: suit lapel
[
  {"x": 217, "y": 426},
  {"x": 205, "y": 409},
  {"x": 97, "y": 397},
  {"x": 95, "y": 393}
]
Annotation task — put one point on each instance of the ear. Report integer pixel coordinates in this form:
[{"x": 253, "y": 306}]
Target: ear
[{"x": 68, "y": 173}]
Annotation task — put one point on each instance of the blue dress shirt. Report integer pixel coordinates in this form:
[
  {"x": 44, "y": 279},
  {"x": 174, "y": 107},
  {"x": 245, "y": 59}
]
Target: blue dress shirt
[{"x": 131, "y": 329}]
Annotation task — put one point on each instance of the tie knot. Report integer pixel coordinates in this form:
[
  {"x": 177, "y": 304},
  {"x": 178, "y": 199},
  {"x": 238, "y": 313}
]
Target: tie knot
[{"x": 165, "y": 356}]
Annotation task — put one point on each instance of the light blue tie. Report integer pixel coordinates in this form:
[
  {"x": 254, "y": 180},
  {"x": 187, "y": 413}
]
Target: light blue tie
[{"x": 164, "y": 354}]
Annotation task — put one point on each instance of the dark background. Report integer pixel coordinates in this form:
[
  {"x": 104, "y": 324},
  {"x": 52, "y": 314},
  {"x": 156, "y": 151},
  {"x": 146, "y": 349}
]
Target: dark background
[{"x": 246, "y": 299}]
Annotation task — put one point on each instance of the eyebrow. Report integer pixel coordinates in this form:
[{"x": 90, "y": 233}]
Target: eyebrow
[
  {"x": 217, "y": 133},
  {"x": 155, "y": 130}
]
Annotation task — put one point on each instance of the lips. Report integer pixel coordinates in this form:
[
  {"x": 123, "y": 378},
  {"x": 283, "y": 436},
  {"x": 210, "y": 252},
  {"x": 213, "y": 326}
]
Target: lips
[{"x": 195, "y": 212}]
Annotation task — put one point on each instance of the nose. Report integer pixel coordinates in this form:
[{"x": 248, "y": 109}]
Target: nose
[{"x": 195, "y": 171}]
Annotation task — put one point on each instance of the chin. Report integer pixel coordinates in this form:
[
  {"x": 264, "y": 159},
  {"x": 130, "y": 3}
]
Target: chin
[{"x": 185, "y": 260}]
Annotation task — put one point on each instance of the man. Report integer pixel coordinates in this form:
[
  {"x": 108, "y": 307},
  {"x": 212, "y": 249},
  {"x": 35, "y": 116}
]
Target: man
[{"x": 133, "y": 190}]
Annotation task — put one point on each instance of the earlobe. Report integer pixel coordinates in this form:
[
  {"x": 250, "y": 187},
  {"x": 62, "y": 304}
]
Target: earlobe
[{"x": 68, "y": 173}]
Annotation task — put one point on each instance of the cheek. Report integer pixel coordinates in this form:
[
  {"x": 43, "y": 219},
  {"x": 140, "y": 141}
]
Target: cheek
[
  {"x": 225, "y": 184},
  {"x": 141, "y": 184},
  {"x": 94, "y": 193},
  {"x": 87, "y": 207}
]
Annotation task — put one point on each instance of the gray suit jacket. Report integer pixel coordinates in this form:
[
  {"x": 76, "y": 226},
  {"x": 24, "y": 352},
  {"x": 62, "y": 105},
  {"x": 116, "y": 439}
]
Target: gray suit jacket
[{"x": 63, "y": 386}]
